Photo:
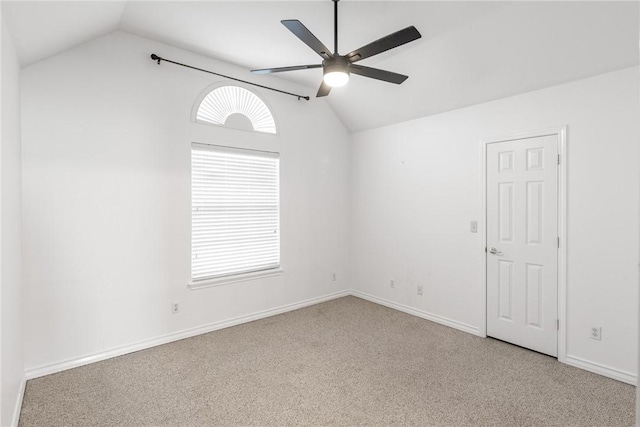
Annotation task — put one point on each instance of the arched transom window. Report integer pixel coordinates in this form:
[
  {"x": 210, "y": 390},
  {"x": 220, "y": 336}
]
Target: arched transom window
[{"x": 236, "y": 107}]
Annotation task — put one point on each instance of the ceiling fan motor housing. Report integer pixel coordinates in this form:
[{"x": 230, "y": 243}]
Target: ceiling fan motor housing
[{"x": 335, "y": 64}]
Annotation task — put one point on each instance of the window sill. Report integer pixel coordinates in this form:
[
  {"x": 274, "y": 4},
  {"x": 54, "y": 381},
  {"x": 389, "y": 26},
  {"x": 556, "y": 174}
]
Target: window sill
[{"x": 221, "y": 281}]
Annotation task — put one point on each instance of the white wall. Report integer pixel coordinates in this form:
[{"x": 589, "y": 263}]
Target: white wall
[
  {"x": 417, "y": 185},
  {"x": 106, "y": 149},
  {"x": 106, "y": 136},
  {"x": 12, "y": 360}
]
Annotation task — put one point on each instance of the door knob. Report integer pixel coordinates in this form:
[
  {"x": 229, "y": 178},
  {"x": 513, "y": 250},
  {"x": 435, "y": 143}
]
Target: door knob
[{"x": 494, "y": 251}]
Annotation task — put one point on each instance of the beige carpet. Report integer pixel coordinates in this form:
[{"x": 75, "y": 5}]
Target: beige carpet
[{"x": 344, "y": 362}]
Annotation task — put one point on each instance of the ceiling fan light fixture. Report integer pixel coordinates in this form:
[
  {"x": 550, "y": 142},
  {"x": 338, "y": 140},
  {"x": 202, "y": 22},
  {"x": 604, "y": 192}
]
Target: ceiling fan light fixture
[
  {"x": 336, "y": 72},
  {"x": 336, "y": 78}
]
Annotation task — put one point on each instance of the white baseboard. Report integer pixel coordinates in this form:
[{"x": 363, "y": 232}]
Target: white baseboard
[
  {"x": 606, "y": 371},
  {"x": 41, "y": 371},
  {"x": 419, "y": 313},
  {"x": 18, "y": 405},
  {"x": 577, "y": 362}
]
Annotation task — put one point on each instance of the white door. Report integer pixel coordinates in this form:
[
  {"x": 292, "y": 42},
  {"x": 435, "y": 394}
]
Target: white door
[{"x": 522, "y": 242}]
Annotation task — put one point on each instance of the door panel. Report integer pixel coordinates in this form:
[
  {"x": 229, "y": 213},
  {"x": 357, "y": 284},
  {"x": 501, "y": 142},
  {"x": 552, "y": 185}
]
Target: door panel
[
  {"x": 522, "y": 253},
  {"x": 505, "y": 285},
  {"x": 505, "y": 212}
]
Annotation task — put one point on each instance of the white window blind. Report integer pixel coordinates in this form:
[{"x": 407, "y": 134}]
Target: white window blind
[
  {"x": 235, "y": 216},
  {"x": 224, "y": 101}
]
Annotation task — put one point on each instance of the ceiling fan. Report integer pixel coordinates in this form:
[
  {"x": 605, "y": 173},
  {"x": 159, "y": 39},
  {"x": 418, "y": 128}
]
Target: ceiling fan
[{"x": 336, "y": 67}]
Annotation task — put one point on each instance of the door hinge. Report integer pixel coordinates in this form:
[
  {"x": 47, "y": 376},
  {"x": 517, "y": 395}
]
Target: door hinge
[
  {"x": 557, "y": 324},
  {"x": 558, "y": 158},
  {"x": 485, "y": 249},
  {"x": 558, "y": 242}
]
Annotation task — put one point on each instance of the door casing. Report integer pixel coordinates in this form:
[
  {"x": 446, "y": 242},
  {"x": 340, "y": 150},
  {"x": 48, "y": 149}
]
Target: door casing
[{"x": 561, "y": 133}]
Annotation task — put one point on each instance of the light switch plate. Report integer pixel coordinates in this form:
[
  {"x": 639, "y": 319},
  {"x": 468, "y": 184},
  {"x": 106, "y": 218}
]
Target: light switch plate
[{"x": 474, "y": 226}]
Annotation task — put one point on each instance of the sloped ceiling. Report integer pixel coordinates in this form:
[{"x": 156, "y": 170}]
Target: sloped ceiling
[
  {"x": 471, "y": 52},
  {"x": 43, "y": 29}
]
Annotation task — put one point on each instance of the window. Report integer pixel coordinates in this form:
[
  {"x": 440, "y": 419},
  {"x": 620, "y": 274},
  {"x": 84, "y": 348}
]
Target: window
[
  {"x": 222, "y": 106},
  {"x": 235, "y": 215}
]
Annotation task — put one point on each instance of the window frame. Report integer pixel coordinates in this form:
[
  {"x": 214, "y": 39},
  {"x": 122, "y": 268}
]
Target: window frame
[{"x": 240, "y": 276}]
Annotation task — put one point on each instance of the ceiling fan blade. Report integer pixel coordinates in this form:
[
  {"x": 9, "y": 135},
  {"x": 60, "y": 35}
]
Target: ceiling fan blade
[
  {"x": 307, "y": 37},
  {"x": 396, "y": 39},
  {"x": 324, "y": 90},
  {"x": 281, "y": 69},
  {"x": 378, "y": 74}
]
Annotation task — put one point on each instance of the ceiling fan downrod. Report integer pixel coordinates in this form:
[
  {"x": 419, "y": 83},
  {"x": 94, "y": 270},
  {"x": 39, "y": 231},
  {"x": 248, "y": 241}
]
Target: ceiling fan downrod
[{"x": 335, "y": 27}]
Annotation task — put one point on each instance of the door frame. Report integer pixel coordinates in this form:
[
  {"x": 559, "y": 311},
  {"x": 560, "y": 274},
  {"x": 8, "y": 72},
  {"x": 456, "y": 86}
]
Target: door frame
[{"x": 561, "y": 133}]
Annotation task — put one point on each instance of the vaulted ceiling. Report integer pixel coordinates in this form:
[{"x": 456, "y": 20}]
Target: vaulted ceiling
[{"x": 470, "y": 52}]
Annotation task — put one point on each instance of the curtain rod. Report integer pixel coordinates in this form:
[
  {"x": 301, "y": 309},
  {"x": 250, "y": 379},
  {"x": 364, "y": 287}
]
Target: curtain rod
[{"x": 158, "y": 58}]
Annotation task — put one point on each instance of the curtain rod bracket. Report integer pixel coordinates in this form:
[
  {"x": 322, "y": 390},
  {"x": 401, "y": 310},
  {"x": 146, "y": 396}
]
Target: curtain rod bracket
[{"x": 158, "y": 58}]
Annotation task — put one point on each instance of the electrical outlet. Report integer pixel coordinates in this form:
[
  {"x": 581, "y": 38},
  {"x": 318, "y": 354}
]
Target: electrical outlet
[
  {"x": 175, "y": 308},
  {"x": 595, "y": 333},
  {"x": 419, "y": 289},
  {"x": 393, "y": 283},
  {"x": 333, "y": 277}
]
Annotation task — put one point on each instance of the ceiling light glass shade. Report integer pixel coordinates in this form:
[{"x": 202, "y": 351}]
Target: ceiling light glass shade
[{"x": 336, "y": 78}]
